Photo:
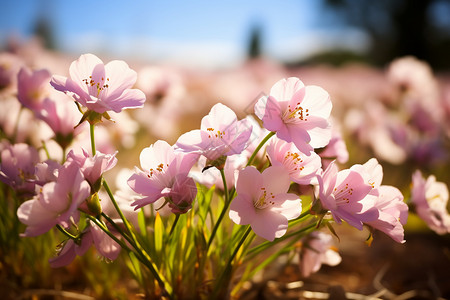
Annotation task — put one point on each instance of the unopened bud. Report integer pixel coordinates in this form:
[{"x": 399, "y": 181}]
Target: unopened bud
[{"x": 93, "y": 204}]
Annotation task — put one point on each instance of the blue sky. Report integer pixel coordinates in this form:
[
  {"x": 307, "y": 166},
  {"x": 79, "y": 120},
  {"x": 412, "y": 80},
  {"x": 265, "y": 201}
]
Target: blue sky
[{"x": 197, "y": 32}]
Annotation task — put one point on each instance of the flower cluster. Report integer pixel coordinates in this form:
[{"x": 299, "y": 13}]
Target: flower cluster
[{"x": 278, "y": 179}]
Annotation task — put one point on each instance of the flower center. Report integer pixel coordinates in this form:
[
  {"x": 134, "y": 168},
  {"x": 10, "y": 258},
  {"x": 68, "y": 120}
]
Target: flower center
[
  {"x": 158, "y": 170},
  {"x": 218, "y": 134},
  {"x": 293, "y": 161},
  {"x": 298, "y": 113},
  {"x": 342, "y": 195},
  {"x": 264, "y": 199},
  {"x": 96, "y": 87}
]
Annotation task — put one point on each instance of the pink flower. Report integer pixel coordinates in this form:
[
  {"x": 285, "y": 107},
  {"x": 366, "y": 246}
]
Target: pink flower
[
  {"x": 57, "y": 203},
  {"x": 10, "y": 65},
  {"x": 211, "y": 176},
  {"x": 302, "y": 168},
  {"x": 100, "y": 87},
  {"x": 163, "y": 174},
  {"x": 297, "y": 113},
  {"x": 46, "y": 171},
  {"x": 69, "y": 250},
  {"x": 263, "y": 203},
  {"x": 33, "y": 88},
  {"x": 93, "y": 167},
  {"x": 61, "y": 116},
  {"x": 17, "y": 166},
  {"x": 344, "y": 194},
  {"x": 104, "y": 244},
  {"x": 221, "y": 134},
  {"x": 318, "y": 249},
  {"x": 393, "y": 212},
  {"x": 335, "y": 150},
  {"x": 430, "y": 198}
]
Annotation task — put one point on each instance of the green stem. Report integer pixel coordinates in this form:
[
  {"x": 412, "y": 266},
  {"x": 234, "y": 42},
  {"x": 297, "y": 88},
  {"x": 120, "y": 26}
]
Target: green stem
[
  {"x": 222, "y": 213},
  {"x": 91, "y": 131},
  {"x": 66, "y": 233},
  {"x": 143, "y": 258},
  {"x": 228, "y": 266},
  {"x": 44, "y": 146},
  {"x": 114, "y": 224},
  {"x": 261, "y": 247},
  {"x": 268, "y": 136},
  {"x": 134, "y": 242},
  {"x": 63, "y": 155},
  {"x": 174, "y": 224}
]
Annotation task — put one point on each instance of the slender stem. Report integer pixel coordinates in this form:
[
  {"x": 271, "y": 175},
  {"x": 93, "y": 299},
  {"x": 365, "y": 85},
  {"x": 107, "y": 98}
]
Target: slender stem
[
  {"x": 116, "y": 206},
  {"x": 174, "y": 224},
  {"x": 224, "y": 209},
  {"x": 302, "y": 215},
  {"x": 244, "y": 237},
  {"x": 44, "y": 146},
  {"x": 63, "y": 155},
  {"x": 91, "y": 131},
  {"x": 114, "y": 224},
  {"x": 66, "y": 233},
  {"x": 268, "y": 136},
  {"x": 225, "y": 187},
  {"x": 267, "y": 244},
  {"x": 228, "y": 266},
  {"x": 109, "y": 233},
  {"x": 16, "y": 125},
  {"x": 143, "y": 258}
]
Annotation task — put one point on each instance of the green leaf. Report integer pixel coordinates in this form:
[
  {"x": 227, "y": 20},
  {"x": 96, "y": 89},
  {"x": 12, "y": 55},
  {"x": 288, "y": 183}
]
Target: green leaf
[
  {"x": 159, "y": 231},
  {"x": 142, "y": 225}
]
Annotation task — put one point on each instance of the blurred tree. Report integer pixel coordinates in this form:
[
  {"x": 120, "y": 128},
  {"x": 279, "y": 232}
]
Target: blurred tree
[
  {"x": 399, "y": 27},
  {"x": 43, "y": 27},
  {"x": 43, "y": 30},
  {"x": 254, "y": 47}
]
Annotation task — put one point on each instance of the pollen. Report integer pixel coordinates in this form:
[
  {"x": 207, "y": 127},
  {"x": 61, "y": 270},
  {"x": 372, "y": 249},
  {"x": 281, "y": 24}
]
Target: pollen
[
  {"x": 98, "y": 86},
  {"x": 298, "y": 113},
  {"x": 159, "y": 169}
]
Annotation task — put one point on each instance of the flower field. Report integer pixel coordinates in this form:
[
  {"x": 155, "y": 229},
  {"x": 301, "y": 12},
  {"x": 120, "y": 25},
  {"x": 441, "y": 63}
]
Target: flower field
[{"x": 129, "y": 180}]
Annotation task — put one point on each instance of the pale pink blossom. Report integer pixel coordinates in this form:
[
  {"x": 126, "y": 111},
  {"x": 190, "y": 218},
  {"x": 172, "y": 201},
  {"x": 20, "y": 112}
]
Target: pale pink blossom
[
  {"x": 430, "y": 198},
  {"x": 344, "y": 193},
  {"x": 258, "y": 134},
  {"x": 318, "y": 249},
  {"x": 163, "y": 173},
  {"x": 92, "y": 235},
  {"x": 100, "y": 87},
  {"x": 393, "y": 212},
  {"x": 297, "y": 113},
  {"x": 61, "y": 115},
  {"x": 124, "y": 196},
  {"x": 374, "y": 126},
  {"x": 221, "y": 134},
  {"x": 57, "y": 202},
  {"x": 212, "y": 176},
  {"x": 302, "y": 167},
  {"x": 93, "y": 167},
  {"x": 17, "y": 166},
  {"x": 10, "y": 65},
  {"x": 104, "y": 244},
  {"x": 46, "y": 171},
  {"x": 336, "y": 148},
  {"x": 69, "y": 250},
  {"x": 263, "y": 202},
  {"x": 33, "y": 87}
]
